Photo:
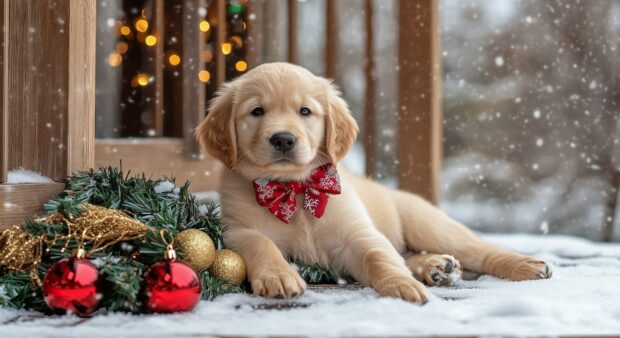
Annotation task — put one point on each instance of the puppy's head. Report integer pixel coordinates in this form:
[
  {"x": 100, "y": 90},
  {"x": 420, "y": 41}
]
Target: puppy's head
[{"x": 278, "y": 121}]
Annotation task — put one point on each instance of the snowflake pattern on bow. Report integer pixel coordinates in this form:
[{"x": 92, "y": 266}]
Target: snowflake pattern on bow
[
  {"x": 286, "y": 212},
  {"x": 279, "y": 197},
  {"x": 264, "y": 191},
  {"x": 310, "y": 204}
]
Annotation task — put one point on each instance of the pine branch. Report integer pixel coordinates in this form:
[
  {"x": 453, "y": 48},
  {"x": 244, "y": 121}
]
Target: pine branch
[
  {"x": 121, "y": 285},
  {"x": 213, "y": 287},
  {"x": 17, "y": 291},
  {"x": 315, "y": 273}
]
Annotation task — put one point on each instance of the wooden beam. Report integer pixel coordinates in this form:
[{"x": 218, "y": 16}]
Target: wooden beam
[
  {"x": 292, "y": 31},
  {"x": 158, "y": 157},
  {"x": 256, "y": 31},
  {"x": 4, "y": 133},
  {"x": 48, "y": 85},
  {"x": 369, "y": 97},
  {"x": 158, "y": 62},
  {"x": 81, "y": 91},
  {"x": 193, "y": 104},
  {"x": 331, "y": 38},
  {"x": 419, "y": 124},
  {"x": 220, "y": 58}
]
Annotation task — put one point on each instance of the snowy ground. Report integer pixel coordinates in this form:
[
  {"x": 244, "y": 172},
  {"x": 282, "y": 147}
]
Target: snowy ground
[{"x": 582, "y": 297}]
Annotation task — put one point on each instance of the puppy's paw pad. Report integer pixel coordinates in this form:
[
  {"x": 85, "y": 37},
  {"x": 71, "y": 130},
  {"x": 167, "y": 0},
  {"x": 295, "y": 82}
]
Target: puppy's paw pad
[
  {"x": 531, "y": 268},
  {"x": 442, "y": 270},
  {"x": 278, "y": 282}
]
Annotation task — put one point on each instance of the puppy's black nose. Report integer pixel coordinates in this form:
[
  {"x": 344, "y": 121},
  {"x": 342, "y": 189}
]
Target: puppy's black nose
[{"x": 283, "y": 141}]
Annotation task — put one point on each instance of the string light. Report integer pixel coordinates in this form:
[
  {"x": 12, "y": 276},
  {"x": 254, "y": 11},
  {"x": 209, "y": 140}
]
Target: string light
[
  {"x": 141, "y": 25},
  {"x": 122, "y": 47},
  {"x": 205, "y": 26},
  {"x": 150, "y": 40},
  {"x": 204, "y": 76},
  {"x": 174, "y": 59},
  {"x": 226, "y": 48},
  {"x": 207, "y": 56},
  {"x": 241, "y": 66},
  {"x": 125, "y": 30},
  {"x": 237, "y": 41},
  {"x": 115, "y": 59},
  {"x": 142, "y": 79}
]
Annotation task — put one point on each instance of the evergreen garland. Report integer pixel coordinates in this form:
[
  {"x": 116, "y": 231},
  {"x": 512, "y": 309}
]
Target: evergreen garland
[{"x": 123, "y": 265}]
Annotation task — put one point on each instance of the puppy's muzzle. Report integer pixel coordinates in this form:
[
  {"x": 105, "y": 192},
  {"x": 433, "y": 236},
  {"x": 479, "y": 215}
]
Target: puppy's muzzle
[{"x": 283, "y": 141}]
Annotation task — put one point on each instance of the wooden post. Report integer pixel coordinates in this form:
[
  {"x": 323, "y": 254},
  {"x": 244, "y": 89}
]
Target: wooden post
[
  {"x": 158, "y": 62},
  {"x": 331, "y": 39},
  {"x": 4, "y": 134},
  {"x": 419, "y": 124},
  {"x": 255, "y": 33},
  {"x": 369, "y": 97},
  {"x": 220, "y": 58},
  {"x": 193, "y": 91},
  {"x": 292, "y": 31},
  {"x": 48, "y": 97}
]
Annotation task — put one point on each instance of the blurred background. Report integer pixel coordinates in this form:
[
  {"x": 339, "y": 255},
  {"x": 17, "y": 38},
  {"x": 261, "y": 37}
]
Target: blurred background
[{"x": 527, "y": 97}]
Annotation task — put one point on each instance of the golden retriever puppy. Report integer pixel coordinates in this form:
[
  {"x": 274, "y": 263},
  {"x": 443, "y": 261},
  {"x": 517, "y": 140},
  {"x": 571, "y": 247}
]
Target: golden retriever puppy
[{"x": 278, "y": 129}]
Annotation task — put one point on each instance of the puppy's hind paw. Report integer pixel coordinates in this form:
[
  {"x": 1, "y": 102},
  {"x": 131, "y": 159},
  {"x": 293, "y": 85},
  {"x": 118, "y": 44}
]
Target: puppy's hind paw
[
  {"x": 442, "y": 270},
  {"x": 531, "y": 268}
]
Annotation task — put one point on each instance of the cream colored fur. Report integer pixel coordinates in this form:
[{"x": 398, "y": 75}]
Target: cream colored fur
[{"x": 365, "y": 231}]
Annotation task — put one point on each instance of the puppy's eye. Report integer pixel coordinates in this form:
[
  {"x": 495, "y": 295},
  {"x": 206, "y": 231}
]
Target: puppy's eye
[
  {"x": 258, "y": 111},
  {"x": 304, "y": 111}
]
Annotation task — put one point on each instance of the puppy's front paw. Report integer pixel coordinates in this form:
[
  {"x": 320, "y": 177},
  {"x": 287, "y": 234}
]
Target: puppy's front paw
[
  {"x": 530, "y": 268},
  {"x": 278, "y": 282},
  {"x": 406, "y": 288},
  {"x": 442, "y": 270}
]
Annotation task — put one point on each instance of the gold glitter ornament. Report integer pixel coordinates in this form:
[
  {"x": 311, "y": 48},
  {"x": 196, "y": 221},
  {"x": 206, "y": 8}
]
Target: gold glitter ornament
[
  {"x": 197, "y": 247},
  {"x": 228, "y": 265}
]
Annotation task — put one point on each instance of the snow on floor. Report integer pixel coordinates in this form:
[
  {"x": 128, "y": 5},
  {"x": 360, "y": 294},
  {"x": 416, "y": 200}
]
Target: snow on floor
[{"x": 582, "y": 297}]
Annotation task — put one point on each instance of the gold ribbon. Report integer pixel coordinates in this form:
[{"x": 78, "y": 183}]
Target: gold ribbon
[{"x": 95, "y": 226}]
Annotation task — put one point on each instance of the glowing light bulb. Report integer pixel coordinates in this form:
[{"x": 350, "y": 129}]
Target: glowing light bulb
[
  {"x": 122, "y": 47},
  {"x": 125, "y": 30},
  {"x": 174, "y": 59},
  {"x": 115, "y": 59},
  {"x": 237, "y": 41},
  {"x": 241, "y": 66},
  {"x": 226, "y": 48},
  {"x": 204, "y": 76},
  {"x": 141, "y": 25},
  {"x": 207, "y": 56},
  {"x": 142, "y": 79},
  {"x": 150, "y": 40},
  {"x": 205, "y": 26}
]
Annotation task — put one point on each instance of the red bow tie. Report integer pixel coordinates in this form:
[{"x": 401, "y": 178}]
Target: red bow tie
[{"x": 279, "y": 197}]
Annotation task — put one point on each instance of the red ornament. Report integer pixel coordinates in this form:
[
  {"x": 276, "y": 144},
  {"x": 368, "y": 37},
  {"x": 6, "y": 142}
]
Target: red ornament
[
  {"x": 171, "y": 286},
  {"x": 70, "y": 285}
]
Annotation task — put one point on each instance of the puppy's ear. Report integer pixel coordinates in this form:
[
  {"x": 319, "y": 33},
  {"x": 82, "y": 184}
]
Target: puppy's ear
[
  {"x": 217, "y": 133},
  {"x": 341, "y": 128}
]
